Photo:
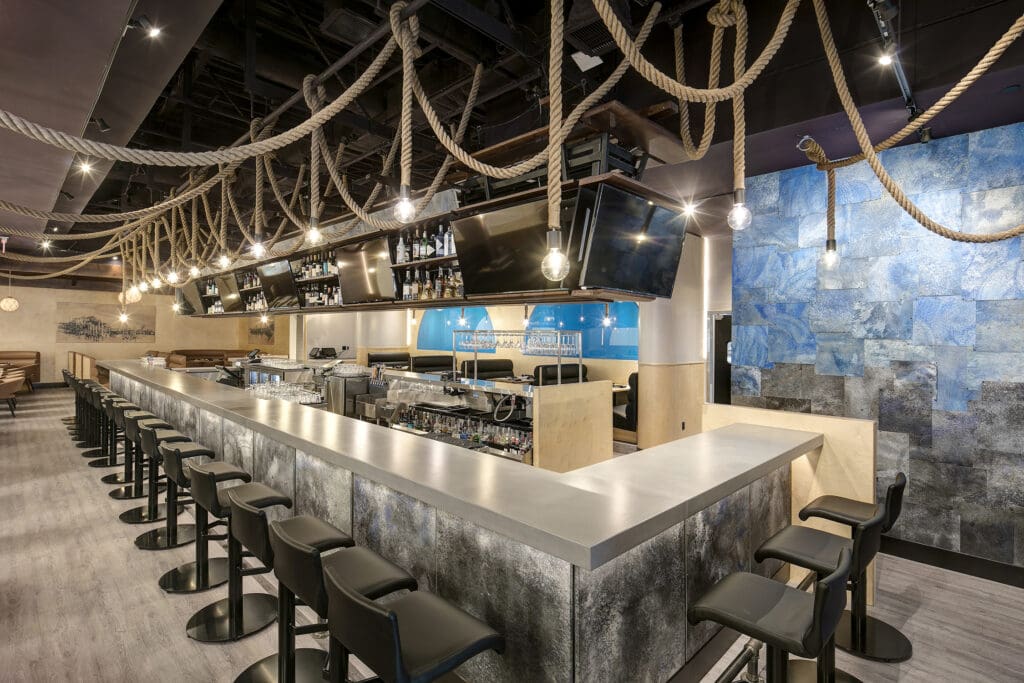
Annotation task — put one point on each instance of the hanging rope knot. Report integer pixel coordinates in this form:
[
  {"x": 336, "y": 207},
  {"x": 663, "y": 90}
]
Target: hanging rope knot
[
  {"x": 406, "y": 31},
  {"x": 814, "y": 152},
  {"x": 723, "y": 15}
]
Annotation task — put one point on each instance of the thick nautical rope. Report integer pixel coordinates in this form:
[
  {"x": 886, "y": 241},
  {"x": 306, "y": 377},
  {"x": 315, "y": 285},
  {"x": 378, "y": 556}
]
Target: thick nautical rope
[
  {"x": 864, "y": 140},
  {"x": 554, "y": 184}
]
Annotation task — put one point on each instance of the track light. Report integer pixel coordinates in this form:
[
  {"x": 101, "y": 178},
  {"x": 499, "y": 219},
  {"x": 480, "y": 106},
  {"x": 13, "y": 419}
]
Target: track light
[
  {"x": 405, "y": 211},
  {"x": 64, "y": 194},
  {"x": 739, "y": 217},
  {"x": 555, "y": 266},
  {"x": 526, "y": 316},
  {"x": 100, "y": 124},
  {"x": 143, "y": 23}
]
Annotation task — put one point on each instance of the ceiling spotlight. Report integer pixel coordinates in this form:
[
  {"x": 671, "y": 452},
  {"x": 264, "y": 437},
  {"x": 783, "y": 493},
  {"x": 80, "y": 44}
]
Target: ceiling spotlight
[
  {"x": 146, "y": 26},
  {"x": 122, "y": 317},
  {"x": 153, "y": 31},
  {"x": 223, "y": 261},
  {"x": 176, "y": 307},
  {"x": 172, "y": 277},
  {"x": 258, "y": 250},
  {"x": 85, "y": 166},
  {"x": 405, "y": 211},
  {"x": 606, "y": 321},
  {"x": 45, "y": 245},
  {"x": 264, "y": 319},
  {"x": 56, "y": 229},
  {"x": 115, "y": 258},
  {"x": 689, "y": 209},
  {"x": 193, "y": 272},
  {"x": 526, "y": 316},
  {"x": 885, "y": 59}
]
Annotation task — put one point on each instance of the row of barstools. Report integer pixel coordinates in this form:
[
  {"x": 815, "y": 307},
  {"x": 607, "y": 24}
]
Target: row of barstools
[{"x": 412, "y": 636}]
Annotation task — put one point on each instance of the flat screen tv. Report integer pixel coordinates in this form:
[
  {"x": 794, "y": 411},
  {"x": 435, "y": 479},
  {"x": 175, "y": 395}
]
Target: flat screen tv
[
  {"x": 230, "y": 298},
  {"x": 189, "y": 301},
  {"x": 500, "y": 251},
  {"x": 365, "y": 272},
  {"x": 278, "y": 284},
  {"x": 634, "y": 245}
]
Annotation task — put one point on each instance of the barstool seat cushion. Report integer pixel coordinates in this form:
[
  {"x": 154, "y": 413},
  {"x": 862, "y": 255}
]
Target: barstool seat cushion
[
  {"x": 437, "y": 636},
  {"x": 761, "y": 608},
  {"x": 839, "y": 509},
  {"x": 367, "y": 572},
  {"x": 314, "y": 532},
  {"x": 204, "y": 478},
  {"x": 805, "y": 547},
  {"x": 257, "y": 495},
  {"x": 165, "y": 434}
]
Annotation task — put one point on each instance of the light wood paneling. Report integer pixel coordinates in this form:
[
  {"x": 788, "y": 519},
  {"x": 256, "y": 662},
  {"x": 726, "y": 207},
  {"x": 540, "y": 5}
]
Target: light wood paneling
[
  {"x": 845, "y": 465},
  {"x": 668, "y": 396},
  {"x": 572, "y": 425}
]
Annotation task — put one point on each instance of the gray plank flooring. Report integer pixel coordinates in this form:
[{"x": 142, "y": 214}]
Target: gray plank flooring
[{"x": 78, "y": 602}]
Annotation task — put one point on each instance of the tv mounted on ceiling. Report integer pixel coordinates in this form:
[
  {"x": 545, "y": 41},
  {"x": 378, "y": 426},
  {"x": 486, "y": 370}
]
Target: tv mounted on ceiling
[
  {"x": 278, "y": 284},
  {"x": 365, "y": 272}
]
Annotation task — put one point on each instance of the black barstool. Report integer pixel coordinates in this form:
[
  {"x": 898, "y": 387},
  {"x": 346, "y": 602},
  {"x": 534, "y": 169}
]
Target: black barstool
[
  {"x": 787, "y": 620},
  {"x": 296, "y": 549},
  {"x": 436, "y": 637},
  {"x": 172, "y": 535},
  {"x": 125, "y": 477},
  {"x": 109, "y": 431},
  {"x": 92, "y": 440},
  {"x": 134, "y": 460},
  {"x": 238, "y": 615},
  {"x": 206, "y": 572},
  {"x": 153, "y": 510},
  {"x": 858, "y": 633}
]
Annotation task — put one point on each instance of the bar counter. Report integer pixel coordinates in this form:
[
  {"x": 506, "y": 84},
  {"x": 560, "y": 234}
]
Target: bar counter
[{"x": 587, "y": 573}]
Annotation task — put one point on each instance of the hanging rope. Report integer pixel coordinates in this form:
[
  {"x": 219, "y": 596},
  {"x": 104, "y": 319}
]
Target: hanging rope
[
  {"x": 864, "y": 140},
  {"x": 554, "y": 189},
  {"x": 733, "y": 11}
]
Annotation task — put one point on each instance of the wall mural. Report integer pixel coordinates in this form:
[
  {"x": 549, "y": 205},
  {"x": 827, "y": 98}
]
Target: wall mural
[
  {"x": 90, "y": 323},
  {"x": 260, "y": 333},
  {"x": 923, "y": 334}
]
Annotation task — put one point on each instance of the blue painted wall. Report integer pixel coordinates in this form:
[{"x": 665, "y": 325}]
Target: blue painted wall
[
  {"x": 924, "y": 334},
  {"x": 618, "y": 341},
  {"x": 437, "y": 324}
]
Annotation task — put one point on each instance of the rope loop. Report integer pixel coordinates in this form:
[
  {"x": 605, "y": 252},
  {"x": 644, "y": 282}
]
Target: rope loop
[{"x": 723, "y": 15}]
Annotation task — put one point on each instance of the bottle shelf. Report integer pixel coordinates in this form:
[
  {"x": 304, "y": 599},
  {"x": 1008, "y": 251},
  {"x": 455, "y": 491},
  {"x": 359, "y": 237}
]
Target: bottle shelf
[
  {"x": 313, "y": 280},
  {"x": 257, "y": 288},
  {"x": 425, "y": 263}
]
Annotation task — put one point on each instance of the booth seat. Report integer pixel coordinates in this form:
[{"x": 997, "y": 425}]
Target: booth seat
[
  {"x": 28, "y": 361},
  {"x": 431, "y": 363},
  {"x": 390, "y": 359},
  {"x": 488, "y": 368},
  {"x": 624, "y": 415},
  {"x": 548, "y": 374}
]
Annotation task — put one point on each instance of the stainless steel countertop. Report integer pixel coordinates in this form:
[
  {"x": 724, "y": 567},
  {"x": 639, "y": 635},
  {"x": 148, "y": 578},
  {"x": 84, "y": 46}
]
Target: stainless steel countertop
[{"x": 586, "y": 517}]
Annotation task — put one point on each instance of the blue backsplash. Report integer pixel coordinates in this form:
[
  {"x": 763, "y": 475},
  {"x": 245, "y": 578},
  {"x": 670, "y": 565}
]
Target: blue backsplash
[{"x": 924, "y": 334}]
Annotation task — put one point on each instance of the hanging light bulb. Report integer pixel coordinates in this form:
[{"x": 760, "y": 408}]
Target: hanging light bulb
[
  {"x": 223, "y": 261},
  {"x": 606, "y": 321},
  {"x": 555, "y": 265},
  {"x": 172, "y": 277},
  {"x": 9, "y": 304},
  {"x": 405, "y": 211},
  {"x": 176, "y": 307},
  {"x": 156, "y": 283},
  {"x": 143, "y": 286},
  {"x": 193, "y": 272},
  {"x": 133, "y": 295},
  {"x": 313, "y": 235},
  {"x": 45, "y": 245},
  {"x": 739, "y": 217},
  {"x": 462, "y": 318},
  {"x": 122, "y": 317},
  {"x": 830, "y": 257},
  {"x": 258, "y": 250},
  {"x": 526, "y": 316}
]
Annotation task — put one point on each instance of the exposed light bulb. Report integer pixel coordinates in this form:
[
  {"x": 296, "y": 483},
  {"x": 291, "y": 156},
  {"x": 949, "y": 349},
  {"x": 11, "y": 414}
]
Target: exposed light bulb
[
  {"x": 264, "y": 319},
  {"x": 313, "y": 235},
  {"x": 642, "y": 237},
  {"x": 462, "y": 318},
  {"x": 555, "y": 266},
  {"x": 172, "y": 277},
  {"x": 606, "y": 321},
  {"x": 526, "y": 323},
  {"x": 45, "y": 245},
  {"x": 85, "y": 166},
  {"x": 143, "y": 286},
  {"x": 739, "y": 217},
  {"x": 156, "y": 283},
  {"x": 689, "y": 208},
  {"x": 176, "y": 307},
  {"x": 122, "y": 317},
  {"x": 885, "y": 59},
  {"x": 223, "y": 261},
  {"x": 830, "y": 258},
  {"x": 258, "y": 250},
  {"x": 115, "y": 258},
  {"x": 193, "y": 272},
  {"x": 405, "y": 211}
]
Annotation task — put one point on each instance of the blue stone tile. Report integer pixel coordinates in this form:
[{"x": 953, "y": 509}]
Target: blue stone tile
[
  {"x": 763, "y": 193},
  {"x": 839, "y": 354},
  {"x": 952, "y": 392},
  {"x": 744, "y": 306},
  {"x": 990, "y": 211},
  {"x": 881, "y": 352},
  {"x": 834, "y": 310},
  {"x": 797, "y": 278},
  {"x": 884, "y": 320},
  {"x": 938, "y": 261},
  {"x": 857, "y": 183},
  {"x": 848, "y": 273},
  {"x": 869, "y": 229},
  {"x": 1000, "y": 326},
  {"x": 891, "y": 278},
  {"x": 755, "y": 267},
  {"x": 996, "y": 157},
  {"x": 802, "y": 191},
  {"x": 768, "y": 228},
  {"x": 746, "y": 380},
  {"x": 943, "y": 206},
  {"x": 812, "y": 230},
  {"x": 992, "y": 271},
  {"x": 944, "y": 321},
  {"x": 993, "y": 367},
  {"x": 790, "y": 339},
  {"x": 750, "y": 345},
  {"x": 937, "y": 165}
]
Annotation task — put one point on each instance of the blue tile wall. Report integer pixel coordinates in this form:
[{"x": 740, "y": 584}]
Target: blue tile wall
[{"x": 922, "y": 333}]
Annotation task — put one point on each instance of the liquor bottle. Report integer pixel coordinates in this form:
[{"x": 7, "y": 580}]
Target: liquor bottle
[
  {"x": 449, "y": 238},
  {"x": 416, "y": 247},
  {"x": 406, "y": 287},
  {"x": 414, "y": 289},
  {"x": 459, "y": 289},
  {"x": 439, "y": 249},
  {"x": 426, "y": 248},
  {"x": 439, "y": 285},
  {"x": 400, "y": 250}
]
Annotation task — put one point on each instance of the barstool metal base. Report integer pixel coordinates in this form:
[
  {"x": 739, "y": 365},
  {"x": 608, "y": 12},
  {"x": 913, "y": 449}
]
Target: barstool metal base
[
  {"x": 105, "y": 462},
  {"x": 883, "y": 643},
  {"x": 129, "y": 493},
  {"x": 118, "y": 478},
  {"x": 186, "y": 578},
  {"x": 806, "y": 671},
  {"x": 309, "y": 668},
  {"x": 140, "y": 515},
  {"x": 158, "y": 539},
  {"x": 211, "y": 624},
  {"x": 86, "y": 444}
]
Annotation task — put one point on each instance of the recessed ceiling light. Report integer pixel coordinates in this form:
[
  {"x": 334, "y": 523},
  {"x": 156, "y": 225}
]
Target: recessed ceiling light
[
  {"x": 885, "y": 59},
  {"x": 85, "y": 166}
]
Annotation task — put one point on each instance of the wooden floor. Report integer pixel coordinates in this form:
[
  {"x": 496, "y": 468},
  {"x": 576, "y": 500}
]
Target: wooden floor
[{"x": 78, "y": 602}]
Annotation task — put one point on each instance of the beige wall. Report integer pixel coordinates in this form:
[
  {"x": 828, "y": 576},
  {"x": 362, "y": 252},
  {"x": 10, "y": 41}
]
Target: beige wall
[
  {"x": 281, "y": 335},
  {"x": 33, "y": 327},
  {"x": 511, "y": 318},
  {"x": 718, "y": 272}
]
